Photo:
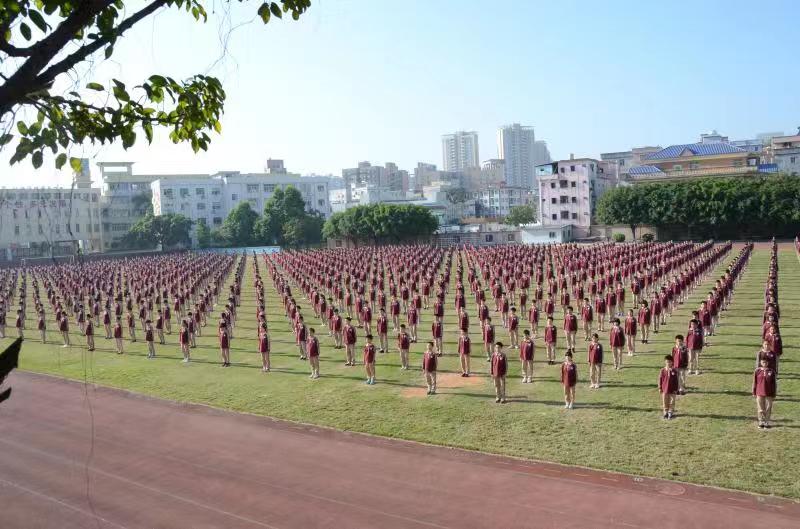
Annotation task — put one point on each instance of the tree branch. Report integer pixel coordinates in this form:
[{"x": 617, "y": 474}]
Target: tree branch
[
  {"x": 80, "y": 55},
  {"x": 12, "y": 51},
  {"x": 23, "y": 81}
]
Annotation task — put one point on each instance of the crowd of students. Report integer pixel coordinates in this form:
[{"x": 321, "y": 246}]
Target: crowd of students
[
  {"x": 765, "y": 377},
  {"x": 633, "y": 289},
  {"x": 344, "y": 287}
]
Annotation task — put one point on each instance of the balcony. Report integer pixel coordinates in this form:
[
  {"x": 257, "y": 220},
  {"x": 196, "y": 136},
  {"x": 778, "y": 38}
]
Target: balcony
[{"x": 695, "y": 173}]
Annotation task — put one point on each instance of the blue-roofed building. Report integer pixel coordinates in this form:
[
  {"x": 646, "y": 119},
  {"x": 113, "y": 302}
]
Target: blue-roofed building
[{"x": 712, "y": 156}]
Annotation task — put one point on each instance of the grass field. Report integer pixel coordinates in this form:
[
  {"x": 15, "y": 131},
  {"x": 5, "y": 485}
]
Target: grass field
[{"x": 714, "y": 439}]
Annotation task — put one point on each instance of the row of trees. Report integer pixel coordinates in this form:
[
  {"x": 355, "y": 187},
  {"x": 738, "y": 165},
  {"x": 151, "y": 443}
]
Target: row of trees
[
  {"x": 170, "y": 231},
  {"x": 377, "y": 223},
  {"x": 284, "y": 222},
  {"x": 708, "y": 207}
]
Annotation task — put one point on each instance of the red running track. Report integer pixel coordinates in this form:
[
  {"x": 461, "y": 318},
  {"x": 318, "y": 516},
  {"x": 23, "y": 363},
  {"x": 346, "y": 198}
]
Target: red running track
[{"x": 158, "y": 464}]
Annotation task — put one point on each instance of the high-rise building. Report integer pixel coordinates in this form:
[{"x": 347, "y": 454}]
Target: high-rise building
[
  {"x": 460, "y": 150},
  {"x": 516, "y": 144},
  {"x": 541, "y": 154}
]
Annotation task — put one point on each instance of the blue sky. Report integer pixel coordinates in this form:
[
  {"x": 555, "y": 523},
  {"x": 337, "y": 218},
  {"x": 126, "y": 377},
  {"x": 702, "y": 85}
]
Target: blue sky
[{"x": 381, "y": 80}]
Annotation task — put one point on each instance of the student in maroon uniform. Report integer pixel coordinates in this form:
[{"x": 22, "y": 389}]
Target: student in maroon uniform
[
  {"x": 107, "y": 323},
  {"x": 117, "y": 333},
  {"x": 382, "y": 326},
  {"x": 488, "y": 338},
  {"x": 160, "y": 329},
  {"x": 224, "y": 347},
  {"x": 595, "y": 361},
  {"x": 301, "y": 335},
  {"x": 569, "y": 379},
  {"x": 183, "y": 340},
  {"x": 131, "y": 320},
  {"x": 429, "y": 366},
  {"x": 313, "y": 353},
  {"x": 349, "y": 333},
  {"x": 630, "y": 328},
  {"x": 464, "y": 351},
  {"x": 403, "y": 344},
  {"x": 526, "y": 352},
  {"x": 264, "y": 346},
  {"x": 570, "y": 328},
  {"x": 668, "y": 387},
  {"x": 499, "y": 371},
  {"x": 645, "y": 318},
  {"x": 149, "y": 337},
  {"x": 764, "y": 390},
  {"x": 513, "y": 329},
  {"x": 42, "y": 326},
  {"x": 533, "y": 319},
  {"x": 680, "y": 359},
  {"x": 412, "y": 317},
  {"x": 20, "y": 325},
  {"x": 88, "y": 331},
  {"x": 437, "y": 333},
  {"x": 336, "y": 327},
  {"x": 63, "y": 327},
  {"x": 694, "y": 342},
  {"x": 587, "y": 316},
  {"x": 550, "y": 340},
  {"x": 616, "y": 339},
  {"x": 369, "y": 359},
  {"x": 600, "y": 311}
]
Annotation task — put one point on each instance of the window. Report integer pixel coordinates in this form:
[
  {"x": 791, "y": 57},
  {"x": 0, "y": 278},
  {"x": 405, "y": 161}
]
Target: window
[
  {"x": 591, "y": 166},
  {"x": 217, "y": 221},
  {"x": 269, "y": 188},
  {"x": 234, "y": 196},
  {"x": 552, "y": 185},
  {"x": 564, "y": 199},
  {"x": 574, "y": 215},
  {"x": 201, "y": 205},
  {"x": 200, "y": 192},
  {"x": 320, "y": 189},
  {"x": 168, "y": 193},
  {"x": 16, "y": 230},
  {"x": 215, "y": 192},
  {"x": 555, "y": 217},
  {"x": 252, "y": 188},
  {"x": 216, "y": 206},
  {"x": 94, "y": 197},
  {"x": 67, "y": 227},
  {"x": 677, "y": 167},
  {"x": 553, "y": 200},
  {"x": 489, "y": 237},
  {"x": 552, "y": 235},
  {"x": 563, "y": 170},
  {"x": 338, "y": 243},
  {"x": 571, "y": 168},
  {"x": 321, "y": 202},
  {"x": 573, "y": 184},
  {"x": 184, "y": 192},
  {"x": 574, "y": 200},
  {"x": 510, "y": 237},
  {"x": 563, "y": 184},
  {"x": 694, "y": 165},
  {"x": 58, "y": 229},
  {"x": 565, "y": 215},
  {"x": 77, "y": 228},
  {"x": 793, "y": 159}
]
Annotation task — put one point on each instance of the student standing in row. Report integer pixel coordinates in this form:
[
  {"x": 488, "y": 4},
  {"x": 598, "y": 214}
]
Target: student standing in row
[
  {"x": 569, "y": 379},
  {"x": 550, "y": 340},
  {"x": 499, "y": 371},
  {"x": 312, "y": 353},
  {"x": 595, "y": 362},
  {"x": 464, "y": 351},
  {"x": 526, "y": 352},
  {"x": 369, "y": 359},
  {"x": 764, "y": 390},
  {"x": 668, "y": 387},
  {"x": 680, "y": 359},
  {"x": 429, "y": 365},
  {"x": 264, "y": 346}
]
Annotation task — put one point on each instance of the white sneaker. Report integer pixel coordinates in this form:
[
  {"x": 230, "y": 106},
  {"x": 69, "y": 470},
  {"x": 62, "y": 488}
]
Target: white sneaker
[{"x": 185, "y": 360}]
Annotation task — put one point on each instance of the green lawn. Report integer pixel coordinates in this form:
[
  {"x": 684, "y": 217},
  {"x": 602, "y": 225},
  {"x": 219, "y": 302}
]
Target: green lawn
[{"x": 713, "y": 441}]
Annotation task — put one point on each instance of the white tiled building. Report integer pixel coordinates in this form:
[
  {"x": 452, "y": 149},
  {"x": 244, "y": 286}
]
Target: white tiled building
[
  {"x": 497, "y": 201},
  {"x": 569, "y": 189},
  {"x": 45, "y": 221}
]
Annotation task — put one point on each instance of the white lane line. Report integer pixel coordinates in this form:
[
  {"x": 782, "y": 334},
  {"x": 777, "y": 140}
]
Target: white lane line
[{"x": 60, "y": 502}]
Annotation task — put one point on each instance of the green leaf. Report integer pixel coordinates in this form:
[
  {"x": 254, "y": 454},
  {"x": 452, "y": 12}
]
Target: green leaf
[
  {"x": 75, "y": 164},
  {"x": 263, "y": 12},
  {"x": 276, "y": 10},
  {"x": 37, "y": 159},
  {"x": 109, "y": 51},
  {"x": 148, "y": 131},
  {"x": 25, "y": 30},
  {"x": 218, "y": 127},
  {"x": 121, "y": 94},
  {"x": 61, "y": 159},
  {"x": 95, "y": 86},
  {"x": 5, "y": 139},
  {"x": 22, "y": 128},
  {"x": 37, "y": 19}
]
